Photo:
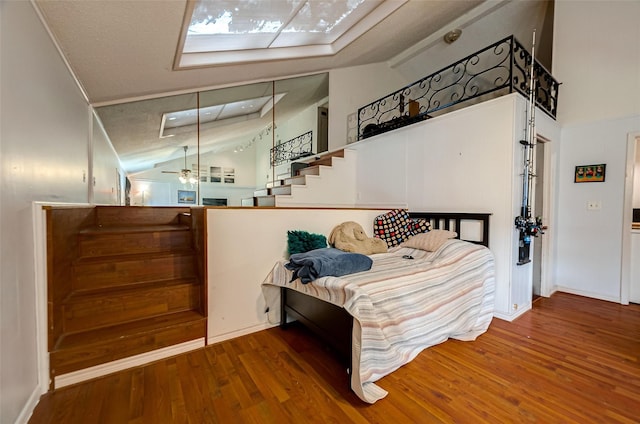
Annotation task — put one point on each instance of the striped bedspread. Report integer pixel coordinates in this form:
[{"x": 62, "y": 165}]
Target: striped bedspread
[{"x": 402, "y": 306}]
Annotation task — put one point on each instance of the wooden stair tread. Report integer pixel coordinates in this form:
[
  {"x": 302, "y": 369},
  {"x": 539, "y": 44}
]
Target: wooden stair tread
[
  {"x": 133, "y": 229},
  {"x": 116, "y": 216},
  {"x": 326, "y": 158},
  {"x": 130, "y": 257},
  {"x": 126, "y": 330},
  {"x": 310, "y": 170},
  {"x": 265, "y": 201},
  {"x": 297, "y": 180},
  {"x": 284, "y": 189},
  {"x": 102, "y": 292},
  {"x": 96, "y": 309}
]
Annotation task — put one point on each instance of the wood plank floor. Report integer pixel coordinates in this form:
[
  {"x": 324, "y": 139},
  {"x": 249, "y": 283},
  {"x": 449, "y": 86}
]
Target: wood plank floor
[{"x": 569, "y": 360}]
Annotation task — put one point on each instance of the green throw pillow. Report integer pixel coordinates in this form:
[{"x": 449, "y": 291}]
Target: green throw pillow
[{"x": 303, "y": 241}]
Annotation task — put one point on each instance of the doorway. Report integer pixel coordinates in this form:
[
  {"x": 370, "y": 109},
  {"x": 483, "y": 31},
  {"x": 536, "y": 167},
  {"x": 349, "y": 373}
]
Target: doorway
[
  {"x": 539, "y": 210},
  {"x": 630, "y": 275}
]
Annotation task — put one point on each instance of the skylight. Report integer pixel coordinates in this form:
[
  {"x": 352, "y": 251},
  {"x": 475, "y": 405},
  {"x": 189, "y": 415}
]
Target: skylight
[
  {"x": 223, "y": 114},
  {"x": 234, "y": 31}
]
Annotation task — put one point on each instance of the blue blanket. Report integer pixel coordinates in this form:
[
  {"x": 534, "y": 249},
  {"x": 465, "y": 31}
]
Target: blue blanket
[{"x": 329, "y": 261}]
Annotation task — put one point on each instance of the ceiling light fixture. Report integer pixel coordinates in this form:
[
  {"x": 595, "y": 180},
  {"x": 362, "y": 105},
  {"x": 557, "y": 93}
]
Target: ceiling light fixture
[
  {"x": 185, "y": 175},
  {"x": 452, "y": 36}
]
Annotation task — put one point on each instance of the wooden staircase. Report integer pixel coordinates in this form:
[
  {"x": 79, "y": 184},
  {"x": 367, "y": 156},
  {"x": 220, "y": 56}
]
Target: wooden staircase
[
  {"x": 123, "y": 281},
  {"x": 266, "y": 197}
]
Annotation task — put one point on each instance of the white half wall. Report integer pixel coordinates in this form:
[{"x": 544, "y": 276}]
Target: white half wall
[
  {"x": 464, "y": 161},
  {"x": 243, "y": 245}
]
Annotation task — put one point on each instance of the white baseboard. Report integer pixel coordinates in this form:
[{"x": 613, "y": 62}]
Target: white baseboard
[
  {"x": 30, "y": 405},
  {"x": 510, "y": 317},
  {"x": 587, "y": 294},
  {"x": 122, "y": 364},
  {"x": 242, "y": 332}
]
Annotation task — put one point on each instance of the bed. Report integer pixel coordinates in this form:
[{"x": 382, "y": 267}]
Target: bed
[{"x": 410, "y": 299}]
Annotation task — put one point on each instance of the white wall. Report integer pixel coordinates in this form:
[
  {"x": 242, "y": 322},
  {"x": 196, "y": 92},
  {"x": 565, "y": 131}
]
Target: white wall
[
  {"x": 44, "y": 133},
  {"x": 242, "y": 162},
  {"x": 107, "y": 173},
  {"x": 163, "y": 190},
  {"x": 262, "y": 165},
  {"x": 353, "y": 88},
  {"x": 636, "y": 178},
  {"x": 590, "y": 241},
  {"x": 303, "y": 122},
  {"x": 152, "y": 193},
  {"x": 597, "y": 59},
  {"x": 465, "y": 161},
  {"x": 163, "y": 193},
  {"x": 477, "y": 26}
]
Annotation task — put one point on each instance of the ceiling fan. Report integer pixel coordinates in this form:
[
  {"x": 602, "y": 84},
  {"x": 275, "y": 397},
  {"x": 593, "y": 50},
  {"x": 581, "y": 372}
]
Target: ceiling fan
[{"x": 184, "y": 175}]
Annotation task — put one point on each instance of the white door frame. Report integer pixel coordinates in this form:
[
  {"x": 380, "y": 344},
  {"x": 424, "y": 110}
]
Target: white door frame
[
  {"x": 546, "y": 266},
  {"x": 627, "y": 218}
]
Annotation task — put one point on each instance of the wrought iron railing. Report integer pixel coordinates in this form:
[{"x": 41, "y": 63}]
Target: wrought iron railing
[
  {"x": 296, "y": 148},
  {"x": 495, "y": 70}
]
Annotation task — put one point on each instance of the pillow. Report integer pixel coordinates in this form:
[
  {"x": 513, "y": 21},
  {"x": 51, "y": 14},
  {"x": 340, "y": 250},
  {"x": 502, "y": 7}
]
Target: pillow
[
  {"x": 420, "y": 225},
  {"x": 393, "y": 227},
  {"x": 430, "y": 241},
  {"x": 303, "y": 241}
]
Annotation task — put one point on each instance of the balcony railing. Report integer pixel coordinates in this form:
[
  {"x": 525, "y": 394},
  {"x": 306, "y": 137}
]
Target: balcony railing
[
  {"x": 296, "y": 148},
  {"x": 496, "y": 70}
]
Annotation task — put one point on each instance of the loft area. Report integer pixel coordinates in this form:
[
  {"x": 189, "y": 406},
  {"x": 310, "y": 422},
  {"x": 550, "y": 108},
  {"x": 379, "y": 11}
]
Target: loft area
[
  {"x": 499, "y": 69},
  {"x": 496, "y": 70}
]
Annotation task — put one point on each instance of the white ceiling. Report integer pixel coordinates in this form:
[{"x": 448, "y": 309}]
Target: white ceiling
[{"x": 125, "y": 50}]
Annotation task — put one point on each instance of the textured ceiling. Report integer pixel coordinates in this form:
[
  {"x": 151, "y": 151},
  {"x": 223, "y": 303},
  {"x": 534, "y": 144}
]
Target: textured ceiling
[{"x": 125, "y": 49}]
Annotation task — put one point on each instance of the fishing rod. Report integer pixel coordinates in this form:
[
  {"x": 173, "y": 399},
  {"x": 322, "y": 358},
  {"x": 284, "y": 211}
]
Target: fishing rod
[{"x": 525, "y": 223}]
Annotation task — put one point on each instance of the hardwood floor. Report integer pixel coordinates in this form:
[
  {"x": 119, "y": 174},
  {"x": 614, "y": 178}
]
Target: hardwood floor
[{"x": 569, "y": 360}]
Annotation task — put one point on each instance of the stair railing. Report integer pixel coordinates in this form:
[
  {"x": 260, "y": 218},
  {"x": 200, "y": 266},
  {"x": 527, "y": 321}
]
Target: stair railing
[{"x": 296, "y": 148}]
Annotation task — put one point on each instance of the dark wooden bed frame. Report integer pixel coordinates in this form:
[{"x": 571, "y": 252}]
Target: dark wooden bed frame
[{"x": 333, "y": 324}]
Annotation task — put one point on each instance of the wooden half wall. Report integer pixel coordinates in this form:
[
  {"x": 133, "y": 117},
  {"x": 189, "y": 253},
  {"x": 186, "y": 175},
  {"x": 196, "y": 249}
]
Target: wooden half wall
[{"x": 243, "y": 245}]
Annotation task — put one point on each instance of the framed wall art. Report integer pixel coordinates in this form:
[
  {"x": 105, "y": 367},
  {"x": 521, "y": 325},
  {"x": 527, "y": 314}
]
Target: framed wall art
[
  {"x": 590, "y": 173},
  {"x": 216, "y": 174},
  {"x": 187, "y": 196}
]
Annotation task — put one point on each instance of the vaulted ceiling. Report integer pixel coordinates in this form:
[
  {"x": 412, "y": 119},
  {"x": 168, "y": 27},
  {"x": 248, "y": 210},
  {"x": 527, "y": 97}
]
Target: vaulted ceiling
[{"x": 126, "y": 50}]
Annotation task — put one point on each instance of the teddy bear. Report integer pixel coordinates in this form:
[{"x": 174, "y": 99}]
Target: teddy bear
[{"x": 350, "y": 237}]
